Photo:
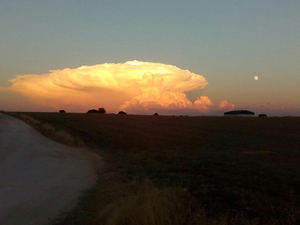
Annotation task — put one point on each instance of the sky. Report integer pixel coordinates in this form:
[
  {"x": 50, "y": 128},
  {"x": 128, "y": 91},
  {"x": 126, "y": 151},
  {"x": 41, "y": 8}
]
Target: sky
[{"x": 211, "y": 49}]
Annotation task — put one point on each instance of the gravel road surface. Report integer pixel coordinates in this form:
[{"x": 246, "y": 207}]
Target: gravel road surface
[{"x": 39, "y": 178}]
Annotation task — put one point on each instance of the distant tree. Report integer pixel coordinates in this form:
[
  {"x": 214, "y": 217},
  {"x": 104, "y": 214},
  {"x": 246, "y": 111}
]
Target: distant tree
[
  {"x": 101, "y": 110},
  {"x": 93, "y": 111},
  {"x": 62, "y": 111},
  {"x": 122, "y": 113},
  {"x": 155, "y": 114},
  {"x": 262, "y": 115},
  {"x": 239, "y": 112}
]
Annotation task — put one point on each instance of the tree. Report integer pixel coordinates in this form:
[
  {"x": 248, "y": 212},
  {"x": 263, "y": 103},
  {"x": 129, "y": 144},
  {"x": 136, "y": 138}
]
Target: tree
[
  {"x": 122, "y": 113},
  {"x": 101, "y": 110}
]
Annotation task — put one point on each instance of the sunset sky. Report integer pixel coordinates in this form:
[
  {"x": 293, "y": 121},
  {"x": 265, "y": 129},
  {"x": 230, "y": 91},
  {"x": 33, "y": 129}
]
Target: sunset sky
[{"x": 173, "y": 57}]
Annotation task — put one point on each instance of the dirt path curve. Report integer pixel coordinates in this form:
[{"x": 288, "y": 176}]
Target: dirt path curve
[{"x": 39, "y": 178}]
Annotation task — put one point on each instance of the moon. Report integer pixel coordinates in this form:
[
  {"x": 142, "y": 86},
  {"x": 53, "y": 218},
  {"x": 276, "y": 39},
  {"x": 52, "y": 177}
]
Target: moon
[{"x": 255, "y": 77}]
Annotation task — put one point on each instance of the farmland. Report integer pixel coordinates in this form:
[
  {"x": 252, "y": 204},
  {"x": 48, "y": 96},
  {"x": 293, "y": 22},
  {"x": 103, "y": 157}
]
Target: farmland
[{"x": 208, "y": 170}]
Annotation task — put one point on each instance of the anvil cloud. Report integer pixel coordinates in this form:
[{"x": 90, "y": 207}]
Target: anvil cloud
[{"x": 135, "y": 86}]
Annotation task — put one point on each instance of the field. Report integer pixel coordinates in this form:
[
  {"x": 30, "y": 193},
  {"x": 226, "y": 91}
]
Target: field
[{"x": 184, "y": 170}]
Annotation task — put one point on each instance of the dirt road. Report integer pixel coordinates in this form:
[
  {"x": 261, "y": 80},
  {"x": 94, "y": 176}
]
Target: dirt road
[{"x": 39, "y": 178}]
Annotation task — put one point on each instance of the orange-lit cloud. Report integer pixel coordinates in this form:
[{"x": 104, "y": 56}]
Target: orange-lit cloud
[
  {"x": 225, "y": 105},
  {"x": 133, "y": 86},
  {"x": 203, "y": 103}
]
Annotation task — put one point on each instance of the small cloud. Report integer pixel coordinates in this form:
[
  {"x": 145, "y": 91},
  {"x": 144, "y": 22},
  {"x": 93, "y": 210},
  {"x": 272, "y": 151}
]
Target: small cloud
[
  {"x": 225, "y": 105},
  {"x": 203, "y": 103}
]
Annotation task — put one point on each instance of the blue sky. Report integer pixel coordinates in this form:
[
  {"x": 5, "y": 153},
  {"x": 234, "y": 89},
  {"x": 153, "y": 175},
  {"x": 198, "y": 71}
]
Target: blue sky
[{"x": 226, "y": 41}]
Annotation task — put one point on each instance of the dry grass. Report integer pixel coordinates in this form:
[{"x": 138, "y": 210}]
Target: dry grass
[
  {"x": 47, "y": 129},
  {"x": 149, "y": 206}
]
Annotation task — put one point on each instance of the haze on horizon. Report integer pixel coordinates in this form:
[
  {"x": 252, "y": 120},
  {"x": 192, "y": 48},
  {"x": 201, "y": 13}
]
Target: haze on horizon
[{"x": 55, "y": 54}]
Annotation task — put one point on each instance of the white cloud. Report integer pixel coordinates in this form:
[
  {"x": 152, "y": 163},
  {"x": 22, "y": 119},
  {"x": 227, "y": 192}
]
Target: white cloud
[{"x": 134, "y": 86}]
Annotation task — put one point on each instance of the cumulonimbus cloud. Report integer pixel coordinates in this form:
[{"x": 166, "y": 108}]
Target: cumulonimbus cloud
[{"x": 134, "y": 86}]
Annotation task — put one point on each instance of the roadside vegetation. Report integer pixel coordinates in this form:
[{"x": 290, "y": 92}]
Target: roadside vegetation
[{"x": 163, "y": 170}]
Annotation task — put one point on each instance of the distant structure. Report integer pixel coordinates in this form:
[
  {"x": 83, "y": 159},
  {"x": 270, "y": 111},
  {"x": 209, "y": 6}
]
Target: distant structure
[
  {"x": 122, "y": 113},
  {"x": 262, "y": 115},
  {"x": 239, "y": 113},
  {"x": 155, "y": 114},
  {"x": 62, "y": 111}
]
